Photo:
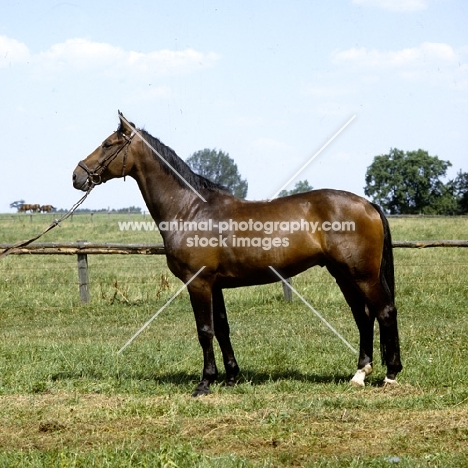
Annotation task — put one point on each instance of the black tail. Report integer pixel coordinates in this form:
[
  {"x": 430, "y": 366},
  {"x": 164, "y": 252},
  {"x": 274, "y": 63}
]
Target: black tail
[{"x": 387, "y": 273}]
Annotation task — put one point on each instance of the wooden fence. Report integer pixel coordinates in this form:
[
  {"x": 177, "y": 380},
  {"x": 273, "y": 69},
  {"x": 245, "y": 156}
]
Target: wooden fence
[{"x": 82, "y": 249}]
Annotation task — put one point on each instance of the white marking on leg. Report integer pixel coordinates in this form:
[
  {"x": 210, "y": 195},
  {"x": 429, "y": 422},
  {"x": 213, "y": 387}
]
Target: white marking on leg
[
  {"x": 360, "y": 375},
  {"x": 388, "y": 381}
]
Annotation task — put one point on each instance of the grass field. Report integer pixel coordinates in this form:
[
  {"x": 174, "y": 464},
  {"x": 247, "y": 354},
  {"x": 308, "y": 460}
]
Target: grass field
[{"x": 67, "y": 399}]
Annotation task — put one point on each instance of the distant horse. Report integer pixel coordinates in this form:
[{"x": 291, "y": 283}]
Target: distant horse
[
  {"x": 46, "y": 208},
  {"x": 23, "y": 208},
  {"x": 202, "y": 225}
]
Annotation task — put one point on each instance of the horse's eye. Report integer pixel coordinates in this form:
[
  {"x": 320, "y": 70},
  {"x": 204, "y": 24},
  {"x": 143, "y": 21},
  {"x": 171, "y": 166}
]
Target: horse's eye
[{"x": 106, "y": 145}]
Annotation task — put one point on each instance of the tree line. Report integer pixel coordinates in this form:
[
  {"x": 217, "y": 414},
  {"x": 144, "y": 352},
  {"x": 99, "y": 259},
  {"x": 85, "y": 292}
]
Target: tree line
[
  {"x": 411, "y": 182},
  {"x": 401, "y": 182}
]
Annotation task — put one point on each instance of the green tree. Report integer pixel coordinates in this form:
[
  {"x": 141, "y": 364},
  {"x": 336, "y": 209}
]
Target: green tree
[
  {"x": 17, "y": 204},
  {"x": 218, "y": 167},
  {"x": 300, "y": 187},
  {"x": 410, "y": 183},
  {"x": 460, "y": 188}
]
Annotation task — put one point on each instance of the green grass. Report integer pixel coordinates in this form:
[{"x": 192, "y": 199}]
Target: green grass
[{"x": 67, "y": 399}]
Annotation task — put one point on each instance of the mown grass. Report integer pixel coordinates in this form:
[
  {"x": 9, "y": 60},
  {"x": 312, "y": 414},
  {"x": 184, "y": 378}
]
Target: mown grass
[{"x": 68, "y": 399}]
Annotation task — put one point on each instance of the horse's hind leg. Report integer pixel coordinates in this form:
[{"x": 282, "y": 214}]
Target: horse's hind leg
[
  {"x": 365, "y": 323},
  {"x": 221, "y": 327},
  {"x": 382, "y": 306}
]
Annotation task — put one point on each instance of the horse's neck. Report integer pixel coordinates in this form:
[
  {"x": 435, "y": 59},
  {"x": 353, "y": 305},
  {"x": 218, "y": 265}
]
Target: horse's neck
[{"x": 164, "y": 196}]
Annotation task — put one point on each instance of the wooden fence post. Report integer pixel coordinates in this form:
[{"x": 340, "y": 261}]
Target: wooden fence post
[
  {"x": 288, "y": 294},
  {"x": 83, "y": 277}
]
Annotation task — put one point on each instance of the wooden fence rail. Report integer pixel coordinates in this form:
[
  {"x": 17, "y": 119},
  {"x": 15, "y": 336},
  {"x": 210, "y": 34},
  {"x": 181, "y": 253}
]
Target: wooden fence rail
[
  {"x": 426, "y": 244},
  {"x": 82, "y": 249}
]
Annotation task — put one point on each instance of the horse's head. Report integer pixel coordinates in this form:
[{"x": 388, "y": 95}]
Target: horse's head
[{"x": 111, "y": 159}]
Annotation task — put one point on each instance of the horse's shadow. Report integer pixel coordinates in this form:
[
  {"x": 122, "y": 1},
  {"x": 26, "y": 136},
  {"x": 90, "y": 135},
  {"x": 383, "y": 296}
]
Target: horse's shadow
[
  {"x": 250, "y": 376},
  {"x": 255, "y": 377},
  {"x": 247, "y": 376}
]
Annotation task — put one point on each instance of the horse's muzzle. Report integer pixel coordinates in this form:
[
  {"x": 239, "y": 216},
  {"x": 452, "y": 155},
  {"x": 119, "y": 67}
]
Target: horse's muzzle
[{"x": 80, "y": 179}]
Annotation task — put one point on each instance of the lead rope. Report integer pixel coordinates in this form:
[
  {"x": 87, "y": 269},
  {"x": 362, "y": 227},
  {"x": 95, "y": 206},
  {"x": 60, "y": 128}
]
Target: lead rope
[{"x": 56, "y": 222}]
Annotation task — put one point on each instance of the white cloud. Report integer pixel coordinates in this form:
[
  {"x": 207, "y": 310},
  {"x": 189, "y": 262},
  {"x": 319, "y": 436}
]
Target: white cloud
[
  {"x": 429, "y": 63},
  {"x": 427, "y": 54},
  {"x": 83, "y": 55},
  {"x": 394, "y": 5},
  {"x": 12, "y": 51}
]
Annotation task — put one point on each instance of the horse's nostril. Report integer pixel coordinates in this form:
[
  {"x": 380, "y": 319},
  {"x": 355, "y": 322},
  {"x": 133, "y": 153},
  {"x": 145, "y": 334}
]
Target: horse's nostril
[{"x": 74, "y": 177}]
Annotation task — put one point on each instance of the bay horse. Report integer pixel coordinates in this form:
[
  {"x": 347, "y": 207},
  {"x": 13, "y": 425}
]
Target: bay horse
[
  {"x": 24, "y": 208},
  {"x": 202, "y": 224},
  {"x": 46, "y": 208}
]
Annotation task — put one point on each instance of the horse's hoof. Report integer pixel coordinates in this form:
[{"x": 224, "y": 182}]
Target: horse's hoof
[
  {"x": 360, "y": 375},
  {"x": 388, "y": 381},
  {"x": 198, "y": 393},
  {"x": 201, "y": 390},
  {"x": 357, "y": 381}
]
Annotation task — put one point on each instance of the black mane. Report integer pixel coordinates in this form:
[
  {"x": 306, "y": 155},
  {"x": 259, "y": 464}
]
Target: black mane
[{"x": 197, "y": 181}]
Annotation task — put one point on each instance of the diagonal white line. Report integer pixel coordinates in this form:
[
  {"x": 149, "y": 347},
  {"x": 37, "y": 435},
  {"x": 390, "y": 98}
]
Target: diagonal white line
[
  {"x": 313, "y": 157},
  {"x": 313, "y": 310},
  {"x": 160, "y": 310},
  {"x": 160, "y": 157}
]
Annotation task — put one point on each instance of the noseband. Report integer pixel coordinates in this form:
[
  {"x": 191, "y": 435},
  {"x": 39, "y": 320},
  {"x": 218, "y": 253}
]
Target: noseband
[{"x": 95, "y": 176}]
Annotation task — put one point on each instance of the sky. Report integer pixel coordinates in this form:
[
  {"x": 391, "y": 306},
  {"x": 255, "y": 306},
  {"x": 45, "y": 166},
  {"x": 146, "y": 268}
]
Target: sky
[{"x": 269, "y": 82}]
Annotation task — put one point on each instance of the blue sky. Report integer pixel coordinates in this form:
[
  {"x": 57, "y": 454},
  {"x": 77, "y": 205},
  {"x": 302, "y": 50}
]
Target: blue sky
[{"x": 267, "y": 81}]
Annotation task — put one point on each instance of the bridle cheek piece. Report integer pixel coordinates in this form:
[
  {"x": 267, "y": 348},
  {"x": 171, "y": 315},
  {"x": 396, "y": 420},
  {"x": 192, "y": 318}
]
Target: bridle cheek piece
[{"x": 95, "y": 176}]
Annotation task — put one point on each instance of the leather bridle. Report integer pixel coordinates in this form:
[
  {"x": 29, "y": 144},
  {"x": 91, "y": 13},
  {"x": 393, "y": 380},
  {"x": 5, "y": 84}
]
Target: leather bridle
[{"x": 95, "y": 176}]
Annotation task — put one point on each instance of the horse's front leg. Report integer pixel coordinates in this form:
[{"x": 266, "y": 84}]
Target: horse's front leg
[
  {"x": 222, "y": 335},
  {"x": 201, "y": 299}
]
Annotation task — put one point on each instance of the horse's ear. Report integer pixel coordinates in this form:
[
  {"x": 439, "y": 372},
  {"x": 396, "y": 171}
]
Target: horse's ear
[{"x": 125, "y": 126}]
